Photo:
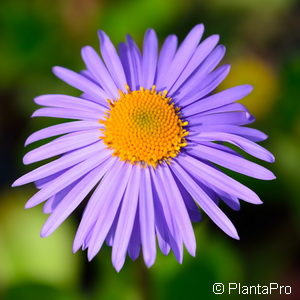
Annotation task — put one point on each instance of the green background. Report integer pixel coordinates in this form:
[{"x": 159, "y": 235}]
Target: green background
[{"x": 263, "y": 45}]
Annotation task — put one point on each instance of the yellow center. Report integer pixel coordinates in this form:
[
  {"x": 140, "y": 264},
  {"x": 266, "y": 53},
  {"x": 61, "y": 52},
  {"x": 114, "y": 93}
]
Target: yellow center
[{"x": 144, "y": 127}]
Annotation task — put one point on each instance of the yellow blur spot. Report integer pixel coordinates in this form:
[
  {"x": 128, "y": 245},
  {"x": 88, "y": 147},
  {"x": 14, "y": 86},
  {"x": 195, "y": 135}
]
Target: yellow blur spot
[
  {"x": 254, "y": 71},
  {"x": 144, "y": 127},
  {"x": 25, "y": 257}
]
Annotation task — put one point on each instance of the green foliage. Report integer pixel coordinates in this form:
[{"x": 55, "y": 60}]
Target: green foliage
[{"x": 262, "y": 38}]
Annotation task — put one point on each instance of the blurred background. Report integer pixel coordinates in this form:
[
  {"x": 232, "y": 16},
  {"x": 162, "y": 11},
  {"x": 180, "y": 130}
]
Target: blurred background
[{"x": 263, "y": 46}]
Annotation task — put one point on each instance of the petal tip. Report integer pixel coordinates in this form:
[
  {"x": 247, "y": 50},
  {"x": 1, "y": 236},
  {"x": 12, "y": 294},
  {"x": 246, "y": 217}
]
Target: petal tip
[
  {"x": 75, "y": 248},
  {"x": 214, "y": 38},
  {"x": 92, "y": 251},
  {"x": 149, "y": 261},
  {"x": 222, "y": 48},
  {"x": 28, "y": 141},
  {"x": 192, "y": 252},
  {"x": 118, "y": 267},
  {"x": 56, "y": 70},
  {"x": 248, "y": 89},
  {"x": 150, "y": 31},
  {"x": 227, "y": 67},
  {"x": 256, "y": 201},
  {"x": 15, "y": 183},
  {"x": 37, "y": 99},
  {"x": 102, "y": 36},
  {"x": 26, "y": 160},
  {"x": 76, "y": 243},
  {"x": 234, "y": 234},
  {"x": 272, "y": 159},
  {"x": 90, "y": 255},
  {"x": 28, "y": 205},
  {"x": 43, "y": 233},
  {"x": 84, "y": 51},
  {"x": 199, "y": 27},
  {"x": 236, "y": 237},
  {"x": 34, "y": 114},
  {"x": 272, "y": 176}
]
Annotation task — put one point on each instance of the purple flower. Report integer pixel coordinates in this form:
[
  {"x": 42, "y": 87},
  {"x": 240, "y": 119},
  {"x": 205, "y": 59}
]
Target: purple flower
[{"x": 147, "y": 143}]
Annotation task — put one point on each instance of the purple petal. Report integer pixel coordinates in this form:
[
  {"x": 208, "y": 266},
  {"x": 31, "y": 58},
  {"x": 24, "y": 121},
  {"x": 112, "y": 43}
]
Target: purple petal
[
  {"x": 112, "y": 231},
  {"x": 226, "y": 118},
  {"x": 126, "y": 60},
  {"x": 112, "y": 61},
  {"x": 61, "y": 145},
  {"x": 61, "y": 129},
  {"x": 190, "y": 204},
  {"x": 162, "y": 243},
  {"x": 163, "y": 233},
  {"x": 220, "y": 99},
  {"x": 65, "y": 101},
  {"x": 231, "y": 201},
  {"x": 108, "y": 184},
  {"x": 233, "y": 107},
  {"x": 107, "y": 209},
  {"x": 213, "y": 145},
  {"x": 208, "y": 206},
  {"x": 89, "y": 76},
  {"x": 200, "y": 74},
  {"x": 47, "y": 208},
  {"x": 246, "y": 132},
  {"x": 74, "y": 197},
  {"x": 62, "y": 163},
  {"x": 81, "y": 83},
  {"x": 198, "y": 57},
  {"x": 147, "y": 218},
  {"x": 173, "y": 232},
  {"x": 149, "y": 60},
  {"x": 232, "y": 162},
  {"x": 207, "y": 85},
  {"x": 206, "y": 173},
  {"x": 126, "y": 219},
  {"x": 166, "y": 56},
  {"x": 98, "y": 70},
  {"x": 135, "y": 58},
  {"x": 102, "y": 208},
  {"x": 67, "y": 113},
  {"x": 51, "y": 204},
  {"x": 134, "y": 247},
  {"x": 178, "y": 209},
  {"x": 246, "y": 145},
  {"x": 182, "y": 57},
  {"x": 40, "y": 183},
  {"x": 66, "y": 179},
  {"x": 217, "y": 194}
]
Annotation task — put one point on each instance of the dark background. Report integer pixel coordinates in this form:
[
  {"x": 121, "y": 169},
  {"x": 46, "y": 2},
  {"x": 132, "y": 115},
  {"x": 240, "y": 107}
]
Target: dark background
[{"x": 263, "y": 45}]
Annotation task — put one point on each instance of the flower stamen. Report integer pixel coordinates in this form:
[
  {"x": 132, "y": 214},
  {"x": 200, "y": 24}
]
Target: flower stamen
[{"x": 144, "y": 126}]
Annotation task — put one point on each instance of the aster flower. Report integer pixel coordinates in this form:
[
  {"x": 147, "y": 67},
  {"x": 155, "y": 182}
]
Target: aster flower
[{"x": 147, "y": 144}]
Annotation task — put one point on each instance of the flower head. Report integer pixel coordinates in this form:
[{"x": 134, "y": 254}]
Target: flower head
[
  {"x": 144, "y": 127},
  {"x": 147, "y": 143}
]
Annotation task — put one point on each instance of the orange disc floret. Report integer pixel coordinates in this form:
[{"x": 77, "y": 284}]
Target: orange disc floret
[{"x": 144, "y": 127}]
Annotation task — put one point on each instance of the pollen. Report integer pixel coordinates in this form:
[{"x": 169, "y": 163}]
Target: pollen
[{"x": 144, "y": 127}]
